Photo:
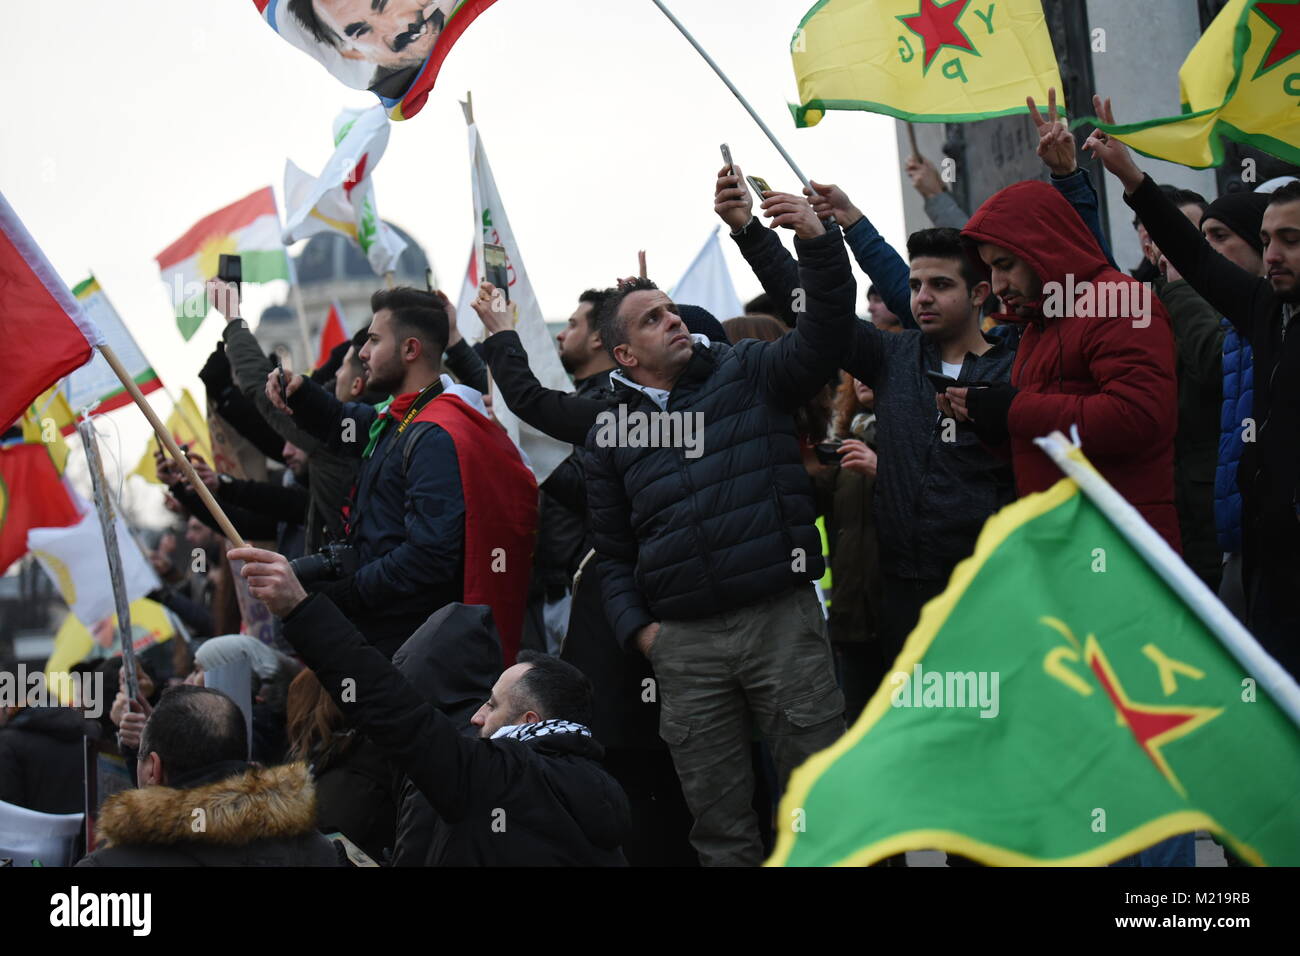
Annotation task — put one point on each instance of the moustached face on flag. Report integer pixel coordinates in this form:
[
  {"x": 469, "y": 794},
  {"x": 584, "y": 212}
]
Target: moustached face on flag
[{"x": 394, "y": 48}]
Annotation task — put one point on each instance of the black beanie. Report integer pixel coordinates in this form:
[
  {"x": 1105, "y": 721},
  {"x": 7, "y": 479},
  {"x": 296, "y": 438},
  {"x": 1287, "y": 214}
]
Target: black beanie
[
  {"x": 1242, "y": 213},
  {"x": 701, "y": 321}
]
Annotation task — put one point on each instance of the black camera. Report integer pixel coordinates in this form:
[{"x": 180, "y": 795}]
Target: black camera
[{"x": 331, "y": 563}]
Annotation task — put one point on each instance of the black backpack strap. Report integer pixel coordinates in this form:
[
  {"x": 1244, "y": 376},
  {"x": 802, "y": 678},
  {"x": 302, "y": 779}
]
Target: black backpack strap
[{"x": 410, "y": 439}]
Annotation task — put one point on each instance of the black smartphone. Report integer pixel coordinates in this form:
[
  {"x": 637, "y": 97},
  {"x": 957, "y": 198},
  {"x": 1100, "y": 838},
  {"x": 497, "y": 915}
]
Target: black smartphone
[
  {"x": 230, "y": 268},
  {"x": 496, "y": 269},
  {"x": 284, "y": 379},
  {"x": 828, "y": 452},
  {"x": 942, "y": 382}
]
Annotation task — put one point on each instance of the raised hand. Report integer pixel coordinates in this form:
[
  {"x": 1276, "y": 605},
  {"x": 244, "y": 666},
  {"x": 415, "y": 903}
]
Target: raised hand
[
  {"x": 1114, "y": 155},
  {"x": 830, "y": 201},
  {"x": 453, "y": 333},
  {"x": 1055, "y": 141},
  {"x": 270, "y": 579},
  {"x": 731, "y": 199},
  {"x": 925, "y": 178},
  {"x": 273, "y": 389},
  {"x": 224, "y": 297},
  {"x": 793, "y": 212},
  {"x": 490, "y": 306}
]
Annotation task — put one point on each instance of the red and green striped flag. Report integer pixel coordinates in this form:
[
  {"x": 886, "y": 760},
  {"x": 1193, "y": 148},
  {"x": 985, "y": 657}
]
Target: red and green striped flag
[{"x": 1075, "y": 696}]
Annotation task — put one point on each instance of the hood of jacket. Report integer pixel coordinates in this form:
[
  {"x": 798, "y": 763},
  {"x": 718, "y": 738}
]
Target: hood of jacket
[
  {"x": 1039, "y": 225},
  {"x": 58, "y": 723},
  {"x": 453, "y": 659},
  {"x": 262, "y": 803},
  {"x": 594, "y": 799}
]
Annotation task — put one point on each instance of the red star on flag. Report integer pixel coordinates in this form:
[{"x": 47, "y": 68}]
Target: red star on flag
[
  {"x": 1152, "y": 725},
  {"x": 1285, "y": 18},
  {"x": 937, "y": 25}
]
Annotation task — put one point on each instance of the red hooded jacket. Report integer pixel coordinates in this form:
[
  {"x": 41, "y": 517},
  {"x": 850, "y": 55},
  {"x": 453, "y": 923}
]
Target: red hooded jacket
[{"x": 1095, "y": 366}]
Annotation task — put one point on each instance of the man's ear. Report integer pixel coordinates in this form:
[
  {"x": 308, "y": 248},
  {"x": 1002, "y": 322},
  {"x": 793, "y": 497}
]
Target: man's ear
[
  {"x": 412, "y": 349},
  {"x": 624, "y": 357},
  {"x": 357, "y": 387},
  {"x": 149, "y": 770},
  {"x": 980, "y": 292},
  {"x": 530, "y": 717}
]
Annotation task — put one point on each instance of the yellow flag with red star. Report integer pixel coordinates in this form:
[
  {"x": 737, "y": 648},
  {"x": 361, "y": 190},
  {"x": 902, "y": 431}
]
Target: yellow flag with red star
[
  {"x": 924, "y": 60},
  {"x": 1240, "y": 82}
]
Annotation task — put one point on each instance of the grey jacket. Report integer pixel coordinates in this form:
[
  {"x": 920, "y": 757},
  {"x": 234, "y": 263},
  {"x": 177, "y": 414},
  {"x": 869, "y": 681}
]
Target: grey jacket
[
  {"x": 332, "y": 475},
  {"x": 932, "y": 495}
]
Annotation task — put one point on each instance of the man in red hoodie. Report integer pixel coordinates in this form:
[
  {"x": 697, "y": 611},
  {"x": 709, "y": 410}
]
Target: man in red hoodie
[{"x": 1097, "y": 352}]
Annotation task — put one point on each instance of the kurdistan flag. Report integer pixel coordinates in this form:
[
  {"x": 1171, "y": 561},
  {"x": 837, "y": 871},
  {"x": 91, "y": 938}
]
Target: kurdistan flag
[
  {"x": 95, "y": 382},
  {"x": 1241, "y": 82},
  {"x": 922, "y": 60},
  {"x": 249, "y": 228},
  {"x": 1061, "y": 703}
]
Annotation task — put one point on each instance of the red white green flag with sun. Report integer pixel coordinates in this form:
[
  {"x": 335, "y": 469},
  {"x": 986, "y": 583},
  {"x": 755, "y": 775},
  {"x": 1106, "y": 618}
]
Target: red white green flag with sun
[
  {"x": 923, "y": 60},
  {"x": 249, "y": 228}
]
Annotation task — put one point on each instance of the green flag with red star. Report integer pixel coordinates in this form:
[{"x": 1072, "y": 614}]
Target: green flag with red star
[
  {"x": 1074, "y": 696},
  {"x": 922, "y": 60}
]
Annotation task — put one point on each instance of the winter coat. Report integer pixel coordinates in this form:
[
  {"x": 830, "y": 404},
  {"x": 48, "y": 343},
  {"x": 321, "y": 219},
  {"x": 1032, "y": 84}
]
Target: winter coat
[
  {"x": 1269, "y": 471},
  {"x": 452, "y": 662},
  {"x": 681, "y": 538},
  {"x": 252, "y": 816},
  {"x": 42, "y": 759},
  {"x": 1199, "y": 343},
  {"x": 1238, "y": 401},
  {"x": 937, "y": 483},
  {"x": 1115, "y": 381},
  {"x": 355, "y": 797},
  {"x": 542, "y": 802}
]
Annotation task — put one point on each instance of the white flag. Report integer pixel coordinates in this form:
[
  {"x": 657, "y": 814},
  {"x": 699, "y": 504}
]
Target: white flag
[
  {"x": 95, "y": 381},
  {"x": 76, "y": 560},
  {"x": 544, "y": 453},
  {"x": 707, "y": 283},
  {"x": 342, "y": 198}
]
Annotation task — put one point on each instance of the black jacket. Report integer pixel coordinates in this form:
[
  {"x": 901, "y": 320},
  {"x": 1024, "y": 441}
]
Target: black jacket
[
  {"x": 451, "y": 662},
  {"x": 937, "y": 483},
  {"x": 683, "y": 538},
  {"x": 407, "y": 521},
  {"x": 42, "y": 759},
  {"x": 252, "y": 816},
  {"x": 1269, "y": 472},
  {"x": 545, "y": 802},
  {"x": 354, "y": 796}
]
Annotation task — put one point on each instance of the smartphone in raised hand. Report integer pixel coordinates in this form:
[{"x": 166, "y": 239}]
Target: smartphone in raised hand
[
  {"x": 759, "y": 185},
  {"x": 726, "y": 158}
]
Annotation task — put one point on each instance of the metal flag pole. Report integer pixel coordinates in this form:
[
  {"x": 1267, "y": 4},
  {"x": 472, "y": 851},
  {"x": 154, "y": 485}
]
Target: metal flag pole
[
  {"x": 108, "y": 524},
  {"x": 735, "y": 92}
]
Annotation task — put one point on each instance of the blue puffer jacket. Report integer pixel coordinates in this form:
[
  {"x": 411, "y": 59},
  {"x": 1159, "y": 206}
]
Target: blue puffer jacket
[{"x": 1238, "y": 398}]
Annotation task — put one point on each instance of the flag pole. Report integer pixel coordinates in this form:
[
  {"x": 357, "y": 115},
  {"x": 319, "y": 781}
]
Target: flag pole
[
  {"x": 108, "y": 524},
  {"x": 735, "y": 92},
  {"x": 165, "y": 437},
  {"x": 1275, "y": 681},
  {"x": 296, "y": 293}
]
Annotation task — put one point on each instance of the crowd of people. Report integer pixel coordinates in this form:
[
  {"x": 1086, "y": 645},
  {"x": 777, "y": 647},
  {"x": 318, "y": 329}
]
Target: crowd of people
[{"x": 624, "y": 663}]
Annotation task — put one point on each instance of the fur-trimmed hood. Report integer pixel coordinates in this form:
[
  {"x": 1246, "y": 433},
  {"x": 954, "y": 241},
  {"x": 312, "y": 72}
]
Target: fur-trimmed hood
[{"x": 262, "y": 803}]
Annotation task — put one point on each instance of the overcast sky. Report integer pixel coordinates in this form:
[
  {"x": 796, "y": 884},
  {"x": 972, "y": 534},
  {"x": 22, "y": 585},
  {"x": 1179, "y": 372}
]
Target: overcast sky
[{"x": 126, "y": 122}]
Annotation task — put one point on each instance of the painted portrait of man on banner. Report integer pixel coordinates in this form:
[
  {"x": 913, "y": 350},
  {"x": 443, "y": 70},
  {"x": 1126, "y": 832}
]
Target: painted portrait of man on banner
[{"x": 394, "y": 48}]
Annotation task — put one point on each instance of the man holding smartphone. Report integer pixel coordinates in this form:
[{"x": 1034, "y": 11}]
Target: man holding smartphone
[{"x": 936, "y": 484}]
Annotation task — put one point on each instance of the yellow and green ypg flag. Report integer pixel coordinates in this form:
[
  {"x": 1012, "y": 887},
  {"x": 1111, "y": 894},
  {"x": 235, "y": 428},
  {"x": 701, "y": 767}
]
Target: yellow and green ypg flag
[
  {"x": 1062, "y": 703},
  {"x": 1241, "y": 81},
  {"x": 922, "y": 60}
]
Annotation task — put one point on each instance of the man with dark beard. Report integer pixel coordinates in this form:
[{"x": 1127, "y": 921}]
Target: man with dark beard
[{"x": 444, "y": 508}]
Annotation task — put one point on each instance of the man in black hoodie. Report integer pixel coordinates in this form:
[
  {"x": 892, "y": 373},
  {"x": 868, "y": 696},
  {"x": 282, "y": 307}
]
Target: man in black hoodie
[{"x": 529, "y": 791}]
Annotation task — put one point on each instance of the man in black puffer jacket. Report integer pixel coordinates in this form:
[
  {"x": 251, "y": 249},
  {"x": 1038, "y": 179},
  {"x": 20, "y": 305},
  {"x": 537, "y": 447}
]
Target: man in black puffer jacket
[{"x": 707, "y": 546}]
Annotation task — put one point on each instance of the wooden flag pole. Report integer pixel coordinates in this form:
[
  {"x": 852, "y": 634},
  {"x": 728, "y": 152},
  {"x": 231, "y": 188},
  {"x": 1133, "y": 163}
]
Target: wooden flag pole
[
  {"x": 911, "y": 138},
  {"x": 735, "y": 92},
  {"x": 169, "y": 443},
  {"x": 108, "y": 525}
]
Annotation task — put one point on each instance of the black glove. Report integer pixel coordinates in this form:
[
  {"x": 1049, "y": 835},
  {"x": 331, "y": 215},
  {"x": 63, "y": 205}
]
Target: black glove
[
  {"x": 989, "y": 408},
  {"x": 215, "y": 374}
]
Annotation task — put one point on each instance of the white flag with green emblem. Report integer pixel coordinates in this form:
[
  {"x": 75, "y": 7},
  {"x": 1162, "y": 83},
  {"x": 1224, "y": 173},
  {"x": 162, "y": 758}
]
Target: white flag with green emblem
[{"x": 342, "y": 198}]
